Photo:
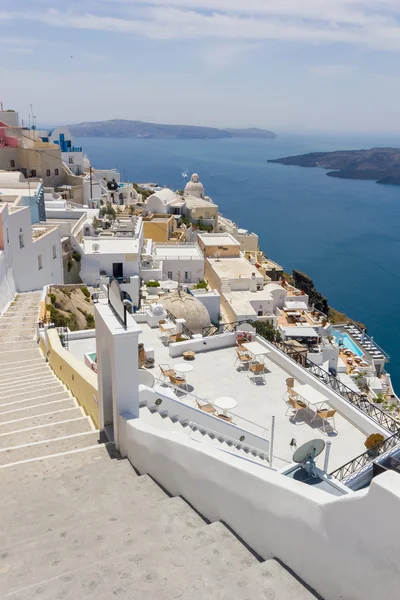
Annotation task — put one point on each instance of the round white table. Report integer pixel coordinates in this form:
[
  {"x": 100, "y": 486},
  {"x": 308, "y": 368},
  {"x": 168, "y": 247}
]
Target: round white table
[
  {"x": 183, "y": 369},
  {"x": 225, "y": 403}
]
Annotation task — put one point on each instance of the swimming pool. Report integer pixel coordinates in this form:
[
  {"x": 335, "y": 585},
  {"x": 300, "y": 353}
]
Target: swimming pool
[{"x": 347, "y": 342}]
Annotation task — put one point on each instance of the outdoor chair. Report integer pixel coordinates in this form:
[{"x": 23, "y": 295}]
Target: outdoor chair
[
  {"x": 242, "y": 358},
  {"x": 177, "y": 381},
  {"x": 326, "y": 414},
  {"x": 174, "y": 338},
  {"x": 290, "y": 393},
  {"x": 166, "y": 371},
  {"x": 207, "y": 407},
  {"x": 296, "y": 405},
  {"x": 256, "y": 370},
  {"x": 225, "y": 418}
]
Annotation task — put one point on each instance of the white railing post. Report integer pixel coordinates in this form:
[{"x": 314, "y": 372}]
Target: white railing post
[
  {"x": 327, "y": 453},
  {"x": 271, "y": 442}
]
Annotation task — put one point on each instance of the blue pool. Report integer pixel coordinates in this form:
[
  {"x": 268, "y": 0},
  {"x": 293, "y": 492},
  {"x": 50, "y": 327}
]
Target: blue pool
[{"x": 347, "y": 342}]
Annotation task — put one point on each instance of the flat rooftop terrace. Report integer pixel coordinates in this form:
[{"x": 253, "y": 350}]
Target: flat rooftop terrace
[{"x": 215, "y": 374}]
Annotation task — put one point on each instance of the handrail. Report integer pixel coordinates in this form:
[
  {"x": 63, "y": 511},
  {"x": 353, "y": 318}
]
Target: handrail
[
  {"x": 185, "y": 330},
  {"x": 360, "y": 401},
  {"x": 237, "y": 444},
  {"x": 356, "y": 465},
  {"x": 206, "y": 401}
]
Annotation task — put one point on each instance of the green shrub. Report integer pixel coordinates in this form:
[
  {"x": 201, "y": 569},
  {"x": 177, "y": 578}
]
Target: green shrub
[
  {"x": 85, "y": 291},
  {"x": 202, "y": 285},
  {"x": 76, "y": 256},
  {"x": 69, "y": 264},
  {"x": 373, "y": 439},
  {"x": 90, "y": 321},
  {"x": 53, "y": 298},
  {"x": 153, "y": 284}
]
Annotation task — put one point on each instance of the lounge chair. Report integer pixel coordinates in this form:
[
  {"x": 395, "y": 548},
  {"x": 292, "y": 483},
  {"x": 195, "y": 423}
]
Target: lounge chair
[
  {"x": 256, "y": 370},
  {"x": 325, "y": 414},
  {"x": 207, "y": 407},
  {"x": 296, "y": 405},
  {"x": 166, "y": 371}
]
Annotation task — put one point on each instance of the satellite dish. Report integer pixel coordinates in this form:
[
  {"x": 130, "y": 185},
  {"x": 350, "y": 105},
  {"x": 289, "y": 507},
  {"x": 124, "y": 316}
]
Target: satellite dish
[
  {"x": 95, "y": 247},
  {"x": 307, "y": 453}
]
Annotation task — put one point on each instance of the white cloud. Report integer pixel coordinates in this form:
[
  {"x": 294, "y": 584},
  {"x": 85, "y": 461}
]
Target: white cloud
[{"x": 372, "y": 24}]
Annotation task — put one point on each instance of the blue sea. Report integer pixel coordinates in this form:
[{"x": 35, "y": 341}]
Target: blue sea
[{"x": 344, "y": 234}]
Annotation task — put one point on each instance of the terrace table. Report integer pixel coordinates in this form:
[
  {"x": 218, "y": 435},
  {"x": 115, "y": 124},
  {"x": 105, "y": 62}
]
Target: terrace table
[
  {"x": 310, "y": 395},
  {"x": 183, "y": 369},
  {"x": 256, "y": 349},
  {"x": 225, "y": 403}
]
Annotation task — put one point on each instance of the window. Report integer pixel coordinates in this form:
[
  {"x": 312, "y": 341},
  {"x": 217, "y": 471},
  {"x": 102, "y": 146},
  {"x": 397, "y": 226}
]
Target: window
[
  {"x": 12, "y": 163},
  {"x": 54, "y": 251},
  {"x": 21, "y": 239},
  {"x": 47, "y": 172},
  {"x": 207, "y": 215},
  {"x": 260, "y": 313},
  {"x": 188, "y": 276},
  {"x": 40, "y": 262},
  {"x": 55, "y": 171},
  {"x": 70, "y": 160},
  {"x": 33, "y": 173},
  {"x": 169, "y": 274}
]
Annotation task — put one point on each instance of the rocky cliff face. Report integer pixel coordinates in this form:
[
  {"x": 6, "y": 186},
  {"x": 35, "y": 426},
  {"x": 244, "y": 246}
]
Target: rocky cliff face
[{"x": 305, "y": 283}]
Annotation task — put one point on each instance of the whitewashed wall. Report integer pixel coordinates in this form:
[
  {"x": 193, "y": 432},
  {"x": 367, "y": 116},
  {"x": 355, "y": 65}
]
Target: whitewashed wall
[{"x": 343, "y": 547}]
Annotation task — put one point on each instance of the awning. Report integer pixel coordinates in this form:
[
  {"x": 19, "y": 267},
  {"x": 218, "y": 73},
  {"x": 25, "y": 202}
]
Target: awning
[
  {"x": 296, "y": 305},
  {"x": 300, "y": 332}
]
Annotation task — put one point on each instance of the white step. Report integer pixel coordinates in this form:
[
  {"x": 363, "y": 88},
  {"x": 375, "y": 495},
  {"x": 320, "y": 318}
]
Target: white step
[
  {"x": 16, "y": 365},
  {"x": 34, "y": 382},
  {"x": 35, "y": 392},
  {"x": 44, "y": 418},
  {"x": 169, "y": 551},
  {"x": 20, "y": 374},
  {"x": 35, "y": 405},
  {"x": 11, "y": 353},
  {"x": 44, "y": 448},
  {"x": 41, "y": 433}
]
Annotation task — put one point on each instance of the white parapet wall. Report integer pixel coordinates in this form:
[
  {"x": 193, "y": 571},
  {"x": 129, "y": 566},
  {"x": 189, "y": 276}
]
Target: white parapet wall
[{"x": 343, "y": 547}]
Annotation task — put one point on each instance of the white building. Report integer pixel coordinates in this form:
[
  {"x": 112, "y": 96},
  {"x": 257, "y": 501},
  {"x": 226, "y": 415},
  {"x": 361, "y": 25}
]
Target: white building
[
  {"x": 114, "y": 254},
  {"x": 30, "y": 255},
  {"x": 248, "y": 241},
  {"x": 163, "y": 202},
  {"x": 71, "y": 155},
  {"x": 180, "y": 261}
]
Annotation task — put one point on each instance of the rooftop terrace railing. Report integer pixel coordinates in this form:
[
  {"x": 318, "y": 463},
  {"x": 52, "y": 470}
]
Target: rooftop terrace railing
[
  {"x": 185, "y": 330},
  {"x": 359, "y": 401},
  {"x": 361, "y": 462}
]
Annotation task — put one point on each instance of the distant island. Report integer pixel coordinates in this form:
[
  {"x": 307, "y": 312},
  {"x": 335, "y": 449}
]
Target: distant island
[
  {"x": 379, "y": 164},
  {"x": 124, "y": 128}
]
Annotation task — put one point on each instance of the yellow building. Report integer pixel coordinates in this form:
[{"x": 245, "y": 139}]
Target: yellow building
[{"x": 162, "y": 228}]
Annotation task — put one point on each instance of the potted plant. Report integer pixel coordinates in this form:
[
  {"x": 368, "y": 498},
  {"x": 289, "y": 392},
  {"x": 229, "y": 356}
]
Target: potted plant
[
  {"x": 371, "y": 443},
  {"x": 152, "y": 286}
]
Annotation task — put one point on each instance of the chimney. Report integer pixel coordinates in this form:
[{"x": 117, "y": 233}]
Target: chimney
[{"x": 253, "y": 283}]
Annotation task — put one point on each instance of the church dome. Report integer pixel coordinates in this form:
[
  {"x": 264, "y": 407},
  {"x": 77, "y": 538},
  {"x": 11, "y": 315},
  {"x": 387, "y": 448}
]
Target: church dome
[
  {"x": 184, "y": 306},
  {"x": 194, "y": 187}
]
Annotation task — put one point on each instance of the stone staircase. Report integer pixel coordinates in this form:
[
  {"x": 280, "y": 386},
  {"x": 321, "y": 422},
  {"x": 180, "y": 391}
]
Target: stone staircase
[{"x": 79, "y": 522}]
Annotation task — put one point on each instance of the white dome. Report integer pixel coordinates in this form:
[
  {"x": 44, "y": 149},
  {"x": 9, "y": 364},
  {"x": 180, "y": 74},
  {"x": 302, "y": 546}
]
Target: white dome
[
  {"x": 184, "y": 306},
  {"x": 194, "y": 187}
]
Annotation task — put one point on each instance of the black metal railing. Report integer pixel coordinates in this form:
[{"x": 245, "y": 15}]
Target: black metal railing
[
  {"x": 357, "y": 465},
  {"x": 222, "y": 328},
  {"x": 358, "y": 400},
  {"x": 185, "y": 330}
]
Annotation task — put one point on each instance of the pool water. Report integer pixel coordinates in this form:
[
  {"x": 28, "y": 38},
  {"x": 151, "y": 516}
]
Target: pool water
[{"x": 347, "y": 342}]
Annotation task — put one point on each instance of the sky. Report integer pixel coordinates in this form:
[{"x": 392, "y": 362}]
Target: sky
[{"x": 286, "y": 65}]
